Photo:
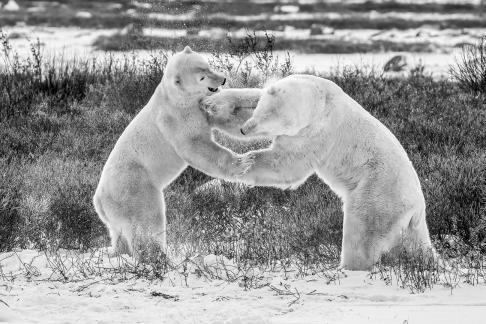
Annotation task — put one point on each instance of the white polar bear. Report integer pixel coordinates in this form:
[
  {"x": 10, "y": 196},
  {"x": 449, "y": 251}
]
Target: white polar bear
[
  {"x": 319, "y": 128},
  {"x": 169, "y": 133}
]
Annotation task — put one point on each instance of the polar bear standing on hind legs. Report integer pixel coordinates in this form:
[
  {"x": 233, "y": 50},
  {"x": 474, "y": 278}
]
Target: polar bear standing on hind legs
[
  {"x": 317, "y": 128},
  {"x": 167, "y": 135}
]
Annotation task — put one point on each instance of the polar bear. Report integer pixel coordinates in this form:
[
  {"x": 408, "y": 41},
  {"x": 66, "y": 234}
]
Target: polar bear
[
  {"x": 168, "y": 134},
  {"x": 318, "y": 128}
]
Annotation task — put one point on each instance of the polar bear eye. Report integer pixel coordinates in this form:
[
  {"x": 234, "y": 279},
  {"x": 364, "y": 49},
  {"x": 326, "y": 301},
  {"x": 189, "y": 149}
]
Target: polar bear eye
[{"x": 202, "y": 78}]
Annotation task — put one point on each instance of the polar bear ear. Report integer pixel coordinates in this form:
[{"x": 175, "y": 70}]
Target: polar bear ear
[
  {"x": 187, "y": 50},
  {"x": 272, "y": 90}
]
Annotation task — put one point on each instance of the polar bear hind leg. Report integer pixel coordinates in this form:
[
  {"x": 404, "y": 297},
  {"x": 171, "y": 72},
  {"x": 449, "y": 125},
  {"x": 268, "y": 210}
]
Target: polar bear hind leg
[
  {"x": 361, "y": 244},
  {"x": 119, "y": 228},
  {"x": 148, "y": 221},
  {"x": 418, "y": 230},
  {"x": 369, "y": 231},
  {"x": 417, "y": 239},
  {"x": 370, "y": 228},
  {"x": 133, "y": 210},
  {"x": 155, "y": 230}
]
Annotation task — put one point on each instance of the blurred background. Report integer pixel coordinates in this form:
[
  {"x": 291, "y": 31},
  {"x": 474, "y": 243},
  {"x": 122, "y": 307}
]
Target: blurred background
[{"x": 320, "y": 34}]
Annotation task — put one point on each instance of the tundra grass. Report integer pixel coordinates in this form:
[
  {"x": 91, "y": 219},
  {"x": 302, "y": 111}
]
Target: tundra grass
[{"x": 60, "y": 121}]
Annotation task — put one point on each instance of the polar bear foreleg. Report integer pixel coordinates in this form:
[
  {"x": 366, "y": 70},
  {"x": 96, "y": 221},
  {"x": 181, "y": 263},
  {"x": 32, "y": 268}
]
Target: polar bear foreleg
[
  {"x": 277, "y": 168},
  {"x": 194, "y": 144},
  {"x": 242, "y": 98},
  {"x": 223, "y": 103},
  {"x": 232, "y": 124},
  {"x": 202, "y": 153},
  {"x": 229, "y": 109}
]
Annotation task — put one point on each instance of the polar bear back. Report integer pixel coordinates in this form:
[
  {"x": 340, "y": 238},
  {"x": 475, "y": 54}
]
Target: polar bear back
[
  {"x": 335, "y": 113},
  {"x": 348, "y": 139}
]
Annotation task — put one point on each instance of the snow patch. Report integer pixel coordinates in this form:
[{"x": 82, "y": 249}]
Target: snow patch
[
  {"x": 286, "y": 9},
  {"x": 84, "y": 14},
  {"x": 142, "y": 5}
]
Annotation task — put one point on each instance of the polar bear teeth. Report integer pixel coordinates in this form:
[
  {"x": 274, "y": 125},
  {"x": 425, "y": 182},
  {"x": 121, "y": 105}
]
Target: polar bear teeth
[{"x": 212, "y": 89}]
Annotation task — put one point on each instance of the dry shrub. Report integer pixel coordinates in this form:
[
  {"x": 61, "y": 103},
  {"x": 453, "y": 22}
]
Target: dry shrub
[{"x": 470, "y": 68}]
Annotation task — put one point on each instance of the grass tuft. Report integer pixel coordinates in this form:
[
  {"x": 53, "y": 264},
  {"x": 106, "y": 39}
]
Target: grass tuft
[{"x": 470, "y": 68}]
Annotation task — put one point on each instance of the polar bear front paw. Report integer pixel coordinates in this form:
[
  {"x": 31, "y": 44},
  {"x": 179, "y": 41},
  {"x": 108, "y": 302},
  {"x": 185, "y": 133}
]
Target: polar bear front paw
[
  {"x": 218, "y": 106},
  {"x": 243, "y": 163}
]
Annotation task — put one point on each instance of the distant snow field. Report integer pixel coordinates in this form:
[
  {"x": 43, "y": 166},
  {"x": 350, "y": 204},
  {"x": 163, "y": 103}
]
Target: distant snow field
[
  {"x": 474, "y": 2},
  {"x": 303, "y": 16},
  {"x": 58, "y": 42},
  {"x": 436, "y": 64},
  {"x": 44, "y": 297}
]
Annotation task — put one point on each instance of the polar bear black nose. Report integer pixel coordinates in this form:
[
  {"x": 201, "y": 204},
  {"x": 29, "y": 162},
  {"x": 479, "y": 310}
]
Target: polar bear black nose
[
  {"x": 242, "y": 132},
  {"x": 224, "y": 81}
]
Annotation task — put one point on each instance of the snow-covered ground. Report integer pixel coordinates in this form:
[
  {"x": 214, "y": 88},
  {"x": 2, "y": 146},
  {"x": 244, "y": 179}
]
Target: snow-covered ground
[{"x": 98, "y": 297}]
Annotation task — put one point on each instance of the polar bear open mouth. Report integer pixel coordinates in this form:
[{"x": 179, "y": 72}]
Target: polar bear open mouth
[{"x": 213, "y": 89}]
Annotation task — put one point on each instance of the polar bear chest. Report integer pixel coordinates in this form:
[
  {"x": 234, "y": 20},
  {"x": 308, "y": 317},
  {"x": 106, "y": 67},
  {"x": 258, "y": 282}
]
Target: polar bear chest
[{"x": 336, "y": 185}]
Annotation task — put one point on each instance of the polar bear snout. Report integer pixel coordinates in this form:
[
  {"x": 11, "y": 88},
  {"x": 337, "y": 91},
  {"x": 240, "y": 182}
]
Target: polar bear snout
[
  {"x": 249, "y": 127},
  {"x": 217, "y": 80}
]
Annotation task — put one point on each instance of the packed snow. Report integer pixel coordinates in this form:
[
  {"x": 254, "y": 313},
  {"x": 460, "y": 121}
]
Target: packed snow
[{"x": 32, "y": 291}]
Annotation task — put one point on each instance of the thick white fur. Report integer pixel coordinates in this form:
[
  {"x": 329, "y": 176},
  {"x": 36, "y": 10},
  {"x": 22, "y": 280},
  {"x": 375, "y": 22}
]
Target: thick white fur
[
  {"x": 169, "y": 133},
  {"x": 317, "y": 128}
]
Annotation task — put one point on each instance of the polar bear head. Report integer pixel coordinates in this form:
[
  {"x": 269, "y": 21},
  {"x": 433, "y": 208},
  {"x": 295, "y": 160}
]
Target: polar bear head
[
  {"x": 188, "y": 73},
  {"x": 281, "y": 110}
]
